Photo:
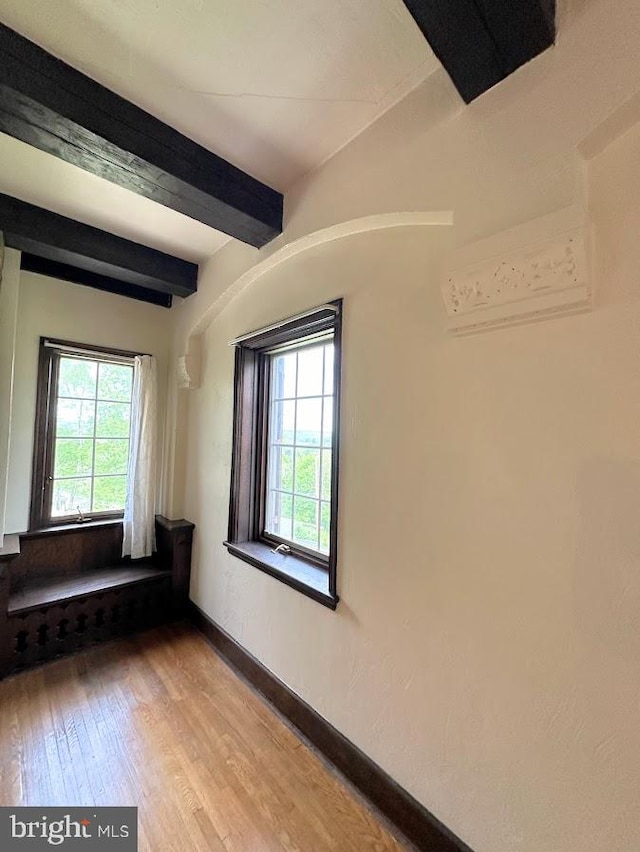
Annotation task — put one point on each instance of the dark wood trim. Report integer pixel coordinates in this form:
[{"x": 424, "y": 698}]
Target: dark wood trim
[
  {"x": 173, "y": 525},
  {"x": 60, "y": 553},
  {"x": 10, "y": 547},
  {"x": 54, "y": 107},
  {"x": 90, "y": 348},
  {"x": 405, "y": 812},
  {"x": 246, "y": 536},
  {"x": 261, "y": 402},
  {"x": 44, "y": 433},
  {"x": 241, "y": 521},
  {"x": 481, "y": 42},
  {"x": 9, "y": 551},
  {"x": 65, "y": 588},
  {"x": 67, "y": 529},
  {"x": 174, "y": 539},
  {"x": 311, "y": 322},
  {"x": 61, "y": 590},
  {"x": 66, "y": 272},
  {"x": 303, "y": 575},
  {"x": 48, "y": 449},
  {"x": 41, "y": 438},
  {"x": 56, "y": 238},
  {"x": 337, "y": 396}
]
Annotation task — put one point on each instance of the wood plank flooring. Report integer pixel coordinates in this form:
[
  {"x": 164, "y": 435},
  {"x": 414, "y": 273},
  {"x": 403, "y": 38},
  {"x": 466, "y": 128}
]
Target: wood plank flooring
[{"x": 161, "y": 722}]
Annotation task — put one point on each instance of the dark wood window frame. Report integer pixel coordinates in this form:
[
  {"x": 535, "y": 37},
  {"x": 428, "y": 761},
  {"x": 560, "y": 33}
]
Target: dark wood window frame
[
  {"x": 43, "y": 446},
  {"x": 310, "y": 573}
]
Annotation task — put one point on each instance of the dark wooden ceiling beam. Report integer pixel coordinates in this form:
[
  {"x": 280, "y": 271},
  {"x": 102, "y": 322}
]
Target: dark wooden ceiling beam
[
  {"x": 481, "y": 42},
  {"x": 50, "y": 105},
  {"x": 48, "y": 235},
  {"x": 65, "y": 272}
]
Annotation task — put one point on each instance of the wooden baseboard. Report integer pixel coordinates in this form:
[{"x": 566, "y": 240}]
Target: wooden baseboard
[{"x": 405, "y": 812}]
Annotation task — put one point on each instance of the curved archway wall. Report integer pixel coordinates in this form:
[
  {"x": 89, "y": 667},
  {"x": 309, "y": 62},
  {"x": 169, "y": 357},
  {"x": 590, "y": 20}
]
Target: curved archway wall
[{"x": 485, "y": 648}]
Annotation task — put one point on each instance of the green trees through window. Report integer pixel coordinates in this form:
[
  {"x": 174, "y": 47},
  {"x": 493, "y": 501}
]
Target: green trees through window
[
  {"x": 300, "y": 437},
  {"x": 91, "y": 437},
  {"x": 283, "y": 500}
]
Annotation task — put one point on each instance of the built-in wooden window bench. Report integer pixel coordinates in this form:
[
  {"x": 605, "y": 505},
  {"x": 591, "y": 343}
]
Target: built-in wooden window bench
[{"x": 64, "y": 588}]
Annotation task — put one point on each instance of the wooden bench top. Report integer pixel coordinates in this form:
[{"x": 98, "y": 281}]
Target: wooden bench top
[{"x": 61, "y": 589}]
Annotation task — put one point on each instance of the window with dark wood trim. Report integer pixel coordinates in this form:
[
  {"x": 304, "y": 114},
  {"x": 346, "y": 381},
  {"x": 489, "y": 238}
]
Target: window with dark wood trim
[
  {"x": 81, "y": 446},
  {"x": 284, "y": 483}
]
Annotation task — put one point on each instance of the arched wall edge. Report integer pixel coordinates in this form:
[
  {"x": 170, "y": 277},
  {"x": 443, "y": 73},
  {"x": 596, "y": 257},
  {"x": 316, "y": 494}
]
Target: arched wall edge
[{"x": 339, "y": 231}]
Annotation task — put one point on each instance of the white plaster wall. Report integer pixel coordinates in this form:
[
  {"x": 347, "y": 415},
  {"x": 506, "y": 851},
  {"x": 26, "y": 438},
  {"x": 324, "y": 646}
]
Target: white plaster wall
[
  {"x": 485, "y": 648},
  {"x": 508, "y": 157},
  {"x": 9, "y": 276},
  {"x": 53, "y": 308}
]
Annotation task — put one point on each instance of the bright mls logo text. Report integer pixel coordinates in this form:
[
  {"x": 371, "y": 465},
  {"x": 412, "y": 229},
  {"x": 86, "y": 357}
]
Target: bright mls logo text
[
  {"x": 88, "y": 828},
  {"x": 57, "y": 831}
]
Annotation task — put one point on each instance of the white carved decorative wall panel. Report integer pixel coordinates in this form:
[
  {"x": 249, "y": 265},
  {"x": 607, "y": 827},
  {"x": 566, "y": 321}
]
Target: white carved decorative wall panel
[{"x": 531, "y": 282}]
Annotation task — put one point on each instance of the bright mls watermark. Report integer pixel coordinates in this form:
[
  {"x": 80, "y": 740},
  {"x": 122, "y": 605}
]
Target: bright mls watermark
[{"x": 37, "y": 829}]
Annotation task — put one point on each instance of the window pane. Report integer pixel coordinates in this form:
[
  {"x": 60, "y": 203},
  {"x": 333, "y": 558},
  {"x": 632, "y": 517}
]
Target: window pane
[
  {"x": 310, "y": 371},
  {"x": 307, "y": 472},
  {"x": 281, "y": 468},
  {"x": 91, "y": 402},
  {"x": 73, "y": 457},
  {"x": 327, "y": 422},
  {"x": 328, "y": 369},
  {"x": 308, "y": 422},
  {"x": 112, "y": 456},
  {"x": 283, "y": 376},
  {"x": 305, "y": 522},
  {"x": 70, "y": 496},
  {"x": 304, "y": 468},
  {"x": 115, "y": 381},
  {"x": 326, "y": 474},
  {"x": 77, "y": 378},
  {"x": 113, "y": 420},
  {"x": 286, "y": 515},
  {"x": 281, "y": 423},
  {"x": 75, "y": 418},
  {"x": 109, "y": 493},
  {"x": 325, "y": 526},
  {"x": 279, "y": 514}
]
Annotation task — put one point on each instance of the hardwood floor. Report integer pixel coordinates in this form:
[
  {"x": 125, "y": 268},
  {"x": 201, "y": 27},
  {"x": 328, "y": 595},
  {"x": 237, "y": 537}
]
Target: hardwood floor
[{"x": 161, "y": 722}]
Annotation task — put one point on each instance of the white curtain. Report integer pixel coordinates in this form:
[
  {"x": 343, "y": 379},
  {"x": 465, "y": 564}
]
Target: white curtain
[{"x": 139, "y": 512}]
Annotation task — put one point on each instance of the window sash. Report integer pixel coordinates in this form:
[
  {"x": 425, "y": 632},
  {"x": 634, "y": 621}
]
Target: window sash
[
  {"x": 51, "y": 353},
  {"x": 316, "y": 554},
  {"x": 247, "y": 537}
]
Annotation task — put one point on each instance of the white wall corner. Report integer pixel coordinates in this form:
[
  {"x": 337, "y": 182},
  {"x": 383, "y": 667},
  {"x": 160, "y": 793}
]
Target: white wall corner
[
  {"x": 189, "y": 366},
  {"x": 528, "y": 273}
]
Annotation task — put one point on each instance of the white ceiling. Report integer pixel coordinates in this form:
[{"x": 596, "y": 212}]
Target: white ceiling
[{"x": 274, "y": 86}]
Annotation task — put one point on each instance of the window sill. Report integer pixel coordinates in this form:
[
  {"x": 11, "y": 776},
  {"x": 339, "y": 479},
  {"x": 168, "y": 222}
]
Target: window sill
[
  {"x": 295, "y": 572},
  {"x": 58, "y": 529}
]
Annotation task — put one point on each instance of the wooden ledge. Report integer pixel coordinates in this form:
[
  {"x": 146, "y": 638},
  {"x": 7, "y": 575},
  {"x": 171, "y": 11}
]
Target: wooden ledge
[
  {"x": 173, "y": 525},
  {"x": 301, "y": 575},
  {"x": 65, "y": 529},
  {"x": 63, "y": 589},
  {"x": 62, "y": 529},
  {"x": 10, "y": 548}
]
